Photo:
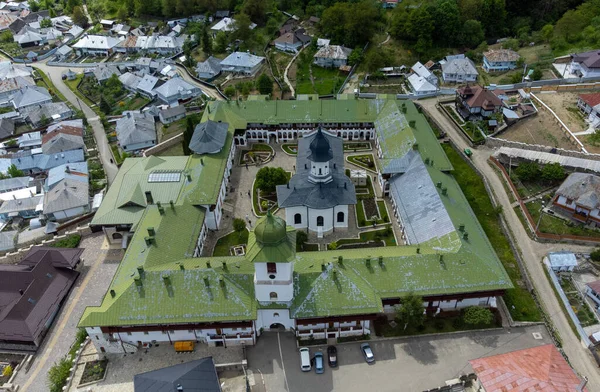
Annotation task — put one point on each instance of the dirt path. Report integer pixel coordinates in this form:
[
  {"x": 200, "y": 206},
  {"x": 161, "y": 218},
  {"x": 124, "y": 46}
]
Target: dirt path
[
  {"x": 285, "y": 74},
  {"x": 532, "y": 252}
]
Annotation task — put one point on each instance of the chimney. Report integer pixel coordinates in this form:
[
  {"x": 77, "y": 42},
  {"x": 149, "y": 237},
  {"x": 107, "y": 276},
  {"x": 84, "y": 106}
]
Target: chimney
[
  {"x": 151, "y": 231},
  {"x": 412, "y": 123},
  {"x": 323, "y": 268},
  {"x": 415, "y": 146},
  {"x": 439, "y": 184},
  {"x": 334, "y": 274},
  {"x": 368, "y": 261},
  {"x": 181, "y": 267},
  {"x": 441, "y": 257},
  {"x": 340, "y": 260},
  {"x": 172, "y": 204},
  {"x": 418, "y": 250},
  {"x": 381, "y": 260},
  {"x": 140, "y": 269},
  {"x": 149, "y": 240},
  {"x": 221, "y": 281},
  {"x": 179, "y": 388},
  {"x": 444, "y": 191},
  {"x": 149, "y": 198},
  {"x": 166, "y": 280},
  {"x": 224, "y": 265},
  {"x": 161, "y": 209},
  {"x": 113, "y": 294},
  {"x": 189, "y": 178},
  {"x": 202, "y": 161}
]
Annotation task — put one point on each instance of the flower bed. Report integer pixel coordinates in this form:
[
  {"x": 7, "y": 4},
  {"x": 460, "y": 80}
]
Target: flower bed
[
  {"x": 93, "y": 371},
  {"x": 366, "y": 161},
  {"x": 356, "y": 146},
  {"x": 370, "y": 208},
  {"x": 291, "y": 149}
]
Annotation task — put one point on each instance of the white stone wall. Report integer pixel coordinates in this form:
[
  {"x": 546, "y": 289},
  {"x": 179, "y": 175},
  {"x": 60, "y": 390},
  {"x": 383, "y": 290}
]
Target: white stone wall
[
  {"x": 281, "y": 284},
  {"x": 267, "y": 317},
  {"x": 291, "y": 212}
]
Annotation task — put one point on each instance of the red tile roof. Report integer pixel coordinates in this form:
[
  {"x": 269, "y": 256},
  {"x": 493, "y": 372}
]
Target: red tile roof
[
  {"x": 540, "y": 369},
  {"x": 67, "y": 130},
  {"x": 591, "y": 99},
  {"x": 477, "y": 96},
  {"x": 595, "y": 286}
]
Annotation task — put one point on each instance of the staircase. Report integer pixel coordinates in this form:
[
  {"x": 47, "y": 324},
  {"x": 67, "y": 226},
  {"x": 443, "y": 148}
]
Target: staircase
[{"x": 320, "y": 232}]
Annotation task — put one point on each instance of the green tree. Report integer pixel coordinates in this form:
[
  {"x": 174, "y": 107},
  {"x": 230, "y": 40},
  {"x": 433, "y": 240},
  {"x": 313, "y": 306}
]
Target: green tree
[
  {"x": 537, "y": 74},
  {"x": 242, "y": 28},
  {"x": 256, "y": 10},
  {"x": 57, "y": 375},
  {"x": 187, "y": 135},
  {"x": 6, "y": 36},
  {"x": 221, "y": 42},
  {"x": 104, "y": 105},
  {"x": 351, "y": 24},
  {"x": 377, "y": 58},
  {"x": 206, "y": 41},
  {"x": 410, "y": 312},
  {"x": 446, "y": 16},
  {"x": 547, "y": 32},
  {"x": 265, "y": 84},
  {"x": 268, "y": 178},
  {"x": 14, "y": 172},
  {"x": 595, "y": 255},
  {"x": 553, "y": 172},
  {"x": 571, "y": 24},
  {"x": 239, "y": 225},
  {"x": 472, "y": 33},
  {"x": 45, "y": 23},
  {"x": 79, "y": 17},
  {"x": 356, "y": 56},
  {"x": 476, "y": 315},
  {"x": 122, "y": 14},
  {"x": 301, "y": 238},
  {"x": 229, "y": 91},
  {"x": 511, "y": 43},
  {"x": 527, "y": 171}
]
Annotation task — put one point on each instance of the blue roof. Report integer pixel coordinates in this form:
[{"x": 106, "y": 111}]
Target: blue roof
[
  {"x": 28, "y": 161},
  {"x": 72, "y": 171}
]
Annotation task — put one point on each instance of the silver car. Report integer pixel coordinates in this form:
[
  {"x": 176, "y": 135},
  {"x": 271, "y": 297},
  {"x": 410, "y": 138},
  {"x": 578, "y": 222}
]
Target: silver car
[{"x": 367, "y": 352}]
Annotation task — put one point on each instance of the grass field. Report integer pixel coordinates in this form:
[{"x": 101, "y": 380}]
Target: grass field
[
  {"x": 382, "y": 234},
  {"x": 553, "y": 225},
  {"x": 225, "y": 243},
  {"x": 519, "y": 301}
]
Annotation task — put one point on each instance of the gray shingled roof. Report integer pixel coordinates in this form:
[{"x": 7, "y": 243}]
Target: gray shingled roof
[
  {"x": 583, "y": 188},
  {"x": 27, "y": 204},
  {"x": 212, "y": 65},
  {"x": 241, "y": 59},
  {"x": 62, "y": 142},
  {"x": 301, "y": 192},
  {"x": 172, "y": 111},
  {"x": 7, "y": 240},
  {"x": 420, "y": 206},
  {"x": 459, "y": 66},
  {"x": 30, "y": 96},
  {"x": 135, "y": 127},
  {"x": 194, "y": 376},
  {"x": 7, "y": 128},
  {"x": 66, "y": 194},
  {"x": 320, "y": 149},
  {"x": 209, "y": 137},
  {"x": 10, "y": 184},
  {"x": 48, "y": 110}
]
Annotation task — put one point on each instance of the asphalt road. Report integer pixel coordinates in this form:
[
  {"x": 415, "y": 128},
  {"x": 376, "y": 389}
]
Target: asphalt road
[
  {"x": 532, "y": 251},
  {"x": 410, "y": 365}
]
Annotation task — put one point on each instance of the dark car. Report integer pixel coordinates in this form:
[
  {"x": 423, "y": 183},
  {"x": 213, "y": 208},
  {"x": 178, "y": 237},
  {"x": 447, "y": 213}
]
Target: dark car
[{"x": 332, "y": 356}]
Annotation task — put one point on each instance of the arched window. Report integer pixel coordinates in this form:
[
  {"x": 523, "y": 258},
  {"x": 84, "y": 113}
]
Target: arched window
[
  {"x": 320, "y": 171},
  {"x": 275, "y": 314},
  {"x": 117, "y": 236},
  {"x": 297, "y": 219},
  {"x": 319, "y": 221},
  {"x": 340, "y": 217},
  {"x": 273, "y": 295}
]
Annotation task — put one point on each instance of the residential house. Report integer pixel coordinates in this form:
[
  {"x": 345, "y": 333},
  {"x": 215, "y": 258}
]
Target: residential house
[
  {"x": 288, "y": 42},
  {"x": 477, "y": 101},
  {"x": 9, "y": 70},
  {"x": 71, "y": 125},
  {"x": 136, "y": 131},
  {"x": 34, "y": 161},
  {"x": 147, "y": 84},
  {"x": 14, "y": 184},
  {"x": 51, "y": 112},
  {"x": 169, "y": 115},
  {"x": 128, "y": 45},
  {"x": 62, "y": 140},
  {"x": 578, "y": 198},
  {"x": 29, "y": 36},
  {"x": 33, "y": 291},
  {"x": 332, "y": 56},
  {"x": 498, "y": 60},
  {"x": 208, "y": 69},
  {"x": 586, "y": 64},
  {"x": 9, "y": 86},
  {"x": 226, "y": 24},
  {"x": 242, "y": 62},
  {"x": 7, "y": 128},
  {"x": 321, "y": 42},
  {"x": 67, "y": 192},
  {"x": 420, "y": 85},
  {"x": 27, "y": 208},
  {"x": 30, "y": 140},
  {"x": 6, "y": 20},
  {"x": 589, "y": 104},
  {"x": 459, "y": 69},
  {"x": 30, "y": 96},
  {"x": 103, "y": 72},
  {"x": 121, "y": 29},
  {"x": 107, "y": 24},
  {"x": 592, "y": 290},
  {"x": 185, "y": 376},
  {"x": 130, "y": 81},
  {"x": 387, "y": 4},
  {"x": 96, "y": 45},
  {"x": 63, "y": 53},
  {"x": 562, "y": 261},
  {"x": 424, "y": 72},
  {"x": 75, "y": 31},
  {"x": 176, "y": 90},
  {"x": 533, "y": 369},
  {"x": 313, "y": 20},
  {"x": 160, "y": 44}
]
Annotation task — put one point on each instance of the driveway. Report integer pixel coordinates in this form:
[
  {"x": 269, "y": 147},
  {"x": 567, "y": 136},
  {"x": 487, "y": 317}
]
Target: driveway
[
  {"x": 99, "y": 266},
  {"x": 415, "y": 364},
  {"x": 532, "y": 252}
]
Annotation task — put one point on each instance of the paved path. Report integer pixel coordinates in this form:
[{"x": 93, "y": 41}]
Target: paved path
[
  {"x": 104, "y": 152},
  {"x": 99, "y": 266},
  {"x": 211, "y": 92},
  {"x": 532, "y": 252}
]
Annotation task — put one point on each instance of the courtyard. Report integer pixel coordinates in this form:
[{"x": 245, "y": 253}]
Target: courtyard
[{"x": 371, "y": 220}]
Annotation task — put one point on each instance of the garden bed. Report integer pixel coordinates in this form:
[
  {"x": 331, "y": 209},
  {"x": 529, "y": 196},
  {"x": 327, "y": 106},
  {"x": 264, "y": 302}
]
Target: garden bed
[
  {"x": 226, "y": 244},
  {"x": 366, "y": 161},
  {"x": 355, "y": 338},
  {"x": 291, "y": 149},
  {"x": 312, "y": 342},
  {"x": 259, "y": 153},
  {"x": 582, "y": 311},
  {"x": 308, "y": 248},
  {"x": 357, "y": 146},
  {"x": 10, "y": 361},
  {"x": 93, "y": 371}
]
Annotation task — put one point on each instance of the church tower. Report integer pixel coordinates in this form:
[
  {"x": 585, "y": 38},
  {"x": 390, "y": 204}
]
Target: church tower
[{"x": 318, "y": 159}]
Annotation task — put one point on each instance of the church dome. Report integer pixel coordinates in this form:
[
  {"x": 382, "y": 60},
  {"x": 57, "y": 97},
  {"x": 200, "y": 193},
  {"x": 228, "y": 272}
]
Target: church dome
[
  {"x": 270, "y": 230},
  {"x": 320, "y": 149}
]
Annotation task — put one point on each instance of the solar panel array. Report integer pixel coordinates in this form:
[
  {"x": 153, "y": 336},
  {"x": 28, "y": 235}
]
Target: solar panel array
[{"x": 161, "y": 176}]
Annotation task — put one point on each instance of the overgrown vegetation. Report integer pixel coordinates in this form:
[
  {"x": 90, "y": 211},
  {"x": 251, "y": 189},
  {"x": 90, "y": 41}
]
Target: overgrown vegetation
[
  {"x": 71, "y": 241},
  {"x": 224, "y": 244}
]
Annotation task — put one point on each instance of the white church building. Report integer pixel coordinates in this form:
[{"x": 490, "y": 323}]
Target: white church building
[{"x": 318, "y": 195}]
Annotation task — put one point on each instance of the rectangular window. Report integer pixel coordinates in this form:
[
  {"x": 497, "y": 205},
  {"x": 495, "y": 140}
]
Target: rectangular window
[
  {"x": 128, "y": 333},
  {"x": 145, "y": 332},
  {"x": 272, "y": 268}
]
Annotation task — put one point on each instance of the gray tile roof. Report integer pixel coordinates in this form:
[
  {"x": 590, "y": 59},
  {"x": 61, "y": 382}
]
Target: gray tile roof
[
  {"x": 7, "y": 240},
  {"x": 97, "y": 42},
  {"x": 16, "y": 83},
  {"x": 62, "y": 142},
  {"x": 48, "y": 110},
  {"x": 420, "y": 206},
  {"x": 172, "y": 111},
  {"x": 42, "y": 162},
  {"x": 71, "y": 171},
  {"x": 459, "y": 66},
  {"x": 333, "y": 52},
  {"x": 66, "y": 194},
  {"x": 27, "y": 204},
  {"x": 31, "y": 96},
  {"x": 562, "y": 259},
  {"x": 301, "y": 192},
  {"x": 194, "y": 376},
  {"x": 103, "y": 72},
  {"x": 135, "y": 127},
  {"x": 173, "y": 87},
  {"x": 9, "y": 70},
  {"x": 130, "y": 80},
  {"x": 583, "y": 188},
  {"x": 241, "y": 59},
  {"x": 211, "y": 66},
  {"x": 7, "y": 128},
  {"x": 11, "y": 184},
  {"x": 147, "y": 84},
  {"x": 209, "y": 137}
]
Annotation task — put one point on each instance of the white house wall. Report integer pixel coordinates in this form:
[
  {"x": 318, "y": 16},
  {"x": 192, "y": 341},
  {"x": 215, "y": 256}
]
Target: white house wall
[{"x": 267, "y": 317}]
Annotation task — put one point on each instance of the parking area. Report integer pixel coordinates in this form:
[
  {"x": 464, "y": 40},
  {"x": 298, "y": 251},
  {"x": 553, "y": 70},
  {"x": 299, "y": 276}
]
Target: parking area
[{"x": 410, "y": 364}]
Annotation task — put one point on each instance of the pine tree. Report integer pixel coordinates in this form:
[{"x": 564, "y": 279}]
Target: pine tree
[
  {"x": 206, "y": 41},
  {"x": 187, "y": 136},
  {"x": 104, "y": 106}
]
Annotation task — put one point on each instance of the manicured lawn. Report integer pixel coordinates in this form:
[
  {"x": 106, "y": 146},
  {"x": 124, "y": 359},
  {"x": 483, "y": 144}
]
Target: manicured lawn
[
  {"x": 72, "y": 84},
  {"x": 382, "y": 234},
  {"x": 366, "y": 161},
  {"x": 356, "y": 146},
  {"x": 225, "y": 243},
  {"x": 519, "y": 301},
  {"x": 261, "y": 147},
  {"x": 291, "y": 149},
  {"x": 327, "y": 81},
  {"x": 173, "y": 151},
  {"x": 554, "y": 225}
]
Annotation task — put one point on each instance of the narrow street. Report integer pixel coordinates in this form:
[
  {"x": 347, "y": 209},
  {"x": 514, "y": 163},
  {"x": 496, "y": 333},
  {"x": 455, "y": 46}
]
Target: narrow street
[{"x": 532, "y": 252}]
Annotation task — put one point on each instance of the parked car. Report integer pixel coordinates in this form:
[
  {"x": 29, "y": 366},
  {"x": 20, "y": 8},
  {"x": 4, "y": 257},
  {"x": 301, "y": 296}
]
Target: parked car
[
  {"x": 367, "y": 352},
  {"x": 319, "y": 365},
  {"x": 305, "y": 359},
  {"x": 332, "y": 356}
]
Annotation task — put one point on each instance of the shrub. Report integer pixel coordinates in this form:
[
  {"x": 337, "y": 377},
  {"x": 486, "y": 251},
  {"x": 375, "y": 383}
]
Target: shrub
[
  {"x": 475, "y": 315},
  {"x": 439, "y": 325},
  {"x": 595, "y": 255},
  {"x": 57, "y": 375},
  {"x": 71, "y": 241},
  {"x": 7, "y": 372}
]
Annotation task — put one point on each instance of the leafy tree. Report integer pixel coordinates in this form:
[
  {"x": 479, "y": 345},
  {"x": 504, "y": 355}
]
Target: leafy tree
[
  {"x": 527, "y": 171},
  {"x": 356, "y": 56},
  {"x": 14, "y": 172},
  {"x": 45, "y": 23},
  {"x": 239, "y": 225},
  {"x": 242, "y": 28},
  {"x": 206, "y": 41},
  {"x": 34, "y": 6},
  {"x": 268, "y": 178},
  {"x": 221, "y": 42},
  {"x": 476, "y": 315},
  {"x": 301, "y": 238},
  {"x": 351, "y": 24},
  {"x": 11, "y": 143},
  {"x": 122, "y": 14},
  {"x": 595, "y": 255},
  {"x": 7, "y": 372},
  {"x": 377, "y": 58},
  {"x": 537, "y": 74},
  {"x": 553, "y": 172},
  {"x": 332, "y": 246},
  {"x": 511, "y": 43},
  {"x": 6, "y": 36},
  {"x": 79, "y": 17},
  {"x": 410, "y": 311},
  {"x": 57, "y": 375},
  {"x": 187, "y": 135},
  {"x": 256, "y": 10},
  {"x": 446, "y": 16},
  {"x": 265, "y": 84},
  {"x": 571, "y": 25},
  {"x": 472, "y": 33},
  {"x": 104, "y": 105}
]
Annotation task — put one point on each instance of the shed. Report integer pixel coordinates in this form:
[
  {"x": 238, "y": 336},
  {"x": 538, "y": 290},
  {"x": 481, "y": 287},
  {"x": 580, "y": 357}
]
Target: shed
[
  {"x": 358, "y": 177},
  {"x": 562, "y": 261}
]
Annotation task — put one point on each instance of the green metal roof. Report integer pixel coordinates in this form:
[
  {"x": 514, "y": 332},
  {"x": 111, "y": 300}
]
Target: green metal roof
[{"x": 221, "y": 288}]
